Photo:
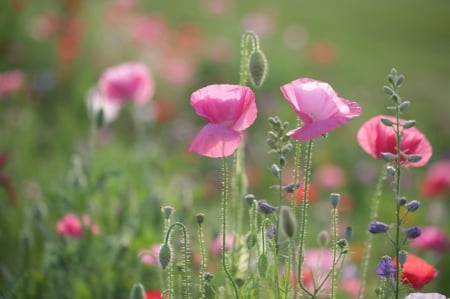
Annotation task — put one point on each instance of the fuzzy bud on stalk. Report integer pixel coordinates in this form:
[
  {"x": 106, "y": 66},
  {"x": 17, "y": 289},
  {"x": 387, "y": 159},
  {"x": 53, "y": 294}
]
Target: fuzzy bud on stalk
[{"x": 257, "y": 68}]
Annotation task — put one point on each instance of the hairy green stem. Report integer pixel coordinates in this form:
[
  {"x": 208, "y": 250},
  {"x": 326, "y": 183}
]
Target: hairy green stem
[
  {"x": 224, "y": 227},
  {"x": 304, "y": 214},
  {"x": 333, "y": 268}
]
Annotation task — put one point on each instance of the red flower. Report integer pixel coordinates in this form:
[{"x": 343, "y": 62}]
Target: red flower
[
  {"x": 417, "y": 272},
  {"x": 153, "y": 295},
  {"x": 375, "y": 138},
  {"x": 437, "y": 180}
]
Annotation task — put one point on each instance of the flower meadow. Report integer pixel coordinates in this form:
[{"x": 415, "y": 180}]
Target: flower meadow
[{"x": 215, "y": 150}]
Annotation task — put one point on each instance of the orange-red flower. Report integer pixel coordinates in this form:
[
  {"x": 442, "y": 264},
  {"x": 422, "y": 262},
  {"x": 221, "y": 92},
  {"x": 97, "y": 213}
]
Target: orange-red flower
[
  {"x": 153, "y": 295},
  {"x": 417, "y": 272}
]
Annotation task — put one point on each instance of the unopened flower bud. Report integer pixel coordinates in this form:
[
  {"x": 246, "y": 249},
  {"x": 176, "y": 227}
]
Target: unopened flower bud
[
  {"x": 402, "y": 200},
  {"x": 257, "y": 68},
  {"x": 251, "y": 240},
  {"x": 288, "y": 221},
  {"x": 323, "y": 238},
  {"x": 137, "y": 291},
  {"x": 388, "y": 90},
  {"x": 263, "y": 265},
  {"x": 200, "y": 218},
  {"x": 391, "y": 170},
  {"x": 387, "y": 122},
  {"x": 409, "y": 124},
  {"x": 413, "y": 205},
  {"x": 335, "y": 198},
  {"x": 282, "y": 160},
  {"x": 342, "y": 243},
  {"x": 265, "y": 207},
  {"x": 388, "y": 157},
  {"x": 404, "y": 105},
  {"x": 165, "y": 255},
  {"x": 413, "y": 232},
  {"x": 402, "y": 257},
  {"x": 275, "y": 170},
  {"x": 250, "y": 198},
  {"x": 348, "y": 233},
  {"x": 414, "y": 158},
  {"x": 376, "y": 227},
  {"x": 167, "y": 211}
]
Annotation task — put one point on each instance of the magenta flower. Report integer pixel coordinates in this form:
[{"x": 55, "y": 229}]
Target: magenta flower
[
  {"x": 130, "y": 81},
  {"x": 10, "y": 82},
  {"x": 375, "y": 138},
  {"x": 437, "y": 179},
  {"x": 216, "y": 245},
  {"x": 70, "y": 226},
  {"x": 432, "y": 238},
  {"x": 150, "y": 257},
  {"x": 230, "y": 109},
  {"x": 318, "y": 106}
]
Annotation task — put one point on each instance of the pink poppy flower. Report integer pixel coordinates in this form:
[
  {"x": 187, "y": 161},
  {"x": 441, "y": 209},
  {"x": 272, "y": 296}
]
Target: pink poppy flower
[
  {"x": 437, "y": 180},
  {"x": 70, "y": 226},
  {"x": 375, "y": 138},
  {"x": 318, "y": 106},
  {"x": 131, "y": 81},
  {"x": 432, "y": 238},
  {"x": 425, "y": 296},
  {"x": 97, "y": 102},
  {"x": 230, "y": 109},
  {"x": 150, "y": 257},
  {"x": 10, "y": 82},
  {"x": 315, "y": 268},
  {"x": 216, "y": 245}
]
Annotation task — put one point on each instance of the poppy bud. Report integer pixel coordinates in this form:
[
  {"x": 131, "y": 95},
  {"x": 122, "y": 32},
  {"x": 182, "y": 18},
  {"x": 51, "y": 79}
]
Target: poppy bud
[
  {"x": 257, "y": 68},
  {"x": 137, "y": 291},
  {"x": 263, "y": 265},
  {"x": 164, "y": 255},
  {"x": 288, "y": 221}
]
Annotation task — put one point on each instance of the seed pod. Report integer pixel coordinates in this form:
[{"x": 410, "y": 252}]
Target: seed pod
[
  {"x": 165, "y": 255},
  {"x": 263, "y": 265},
  {"x": 288, "y": 221},
  {"x": 257, "y": 68}
]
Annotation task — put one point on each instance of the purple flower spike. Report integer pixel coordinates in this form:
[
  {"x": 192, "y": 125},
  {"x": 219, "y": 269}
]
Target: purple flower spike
[
  {"x": 377, "y": 227},
  {"x": 386, "y": 268},
  {"x": 266, "y": 208}
]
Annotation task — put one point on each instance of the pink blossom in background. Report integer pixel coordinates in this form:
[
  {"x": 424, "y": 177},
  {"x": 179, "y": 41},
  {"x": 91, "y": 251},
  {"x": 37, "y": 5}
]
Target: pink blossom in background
[
  {"x": 148, "y": 28},
  {"x": 150, "y": 257},
  {"x": 10, "y": 82},
  {"x": 131, "y": 81},
  {"x": 70, "y": 226},
  {"x": 295, "y": 37},
  {"x": 229, "y": 109},
  {"x": 88, "y": 223},
  {"x": 318, "y": 106},
  {"x": 216, "y": 245},
  {"x": 44, "y": 26},
  {"x": 351, "y": 286},
  {"x": 118, "y": 11},
  {"x": 432, "y": 238},
  {"x": 261, "y": 22},
  {"x": 330, "y": 176},
  {"x": 437, "y": 179},
  {"x": 216, "y": 7},
  {"x": 315, "y": 268},
  {"x": 176, "y": 69},
  {"x": 374, "y": 138}
]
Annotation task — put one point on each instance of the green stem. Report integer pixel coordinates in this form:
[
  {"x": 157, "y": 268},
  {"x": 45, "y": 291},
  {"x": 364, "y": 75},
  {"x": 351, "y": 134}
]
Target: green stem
[
  {"x": 201, "y": 277},
  {"x": 186, "y": 273},
  {"x": 333, "y": 269},
  {"x": 224, "y": 227},
  {"x": 375, "y": 200},
  {"x": 304, "y": 214},
  {"x": 398, "y": 136}
]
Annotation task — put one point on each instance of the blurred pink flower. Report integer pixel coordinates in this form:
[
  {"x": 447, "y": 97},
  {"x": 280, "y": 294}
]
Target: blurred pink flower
[
  {"x": 70, "y": 226},
  {"x": 323, "y": 52},
  {"x": 216, "y": 7},
  {"x": 148, "y": 28},
  {"x": 351, "y": 286},
  {"x": 229, "y": 109},
  {"x": 330, "y": 176},
  {"x": 437, "y": 179},
  {"x": 432, "y": 238},
  {"x": 318, "y": 106},
  {"x": 118, "y": 11},
  {"x": 176, "y": 69},
  {"x": 374, "y": 138},
  {"x": 260, "y": 22},
  {"x": 315, "y": 268},
  {"x": 131, "y": 81},
  {"x": 88, "y": 223},
  {"x": 216, "y": 245},
  {"x": 295, "y": 37},
  {"x": 44, "y": 26},
  {"x": 150, "y": 257},
  {"x": 10, "y": 82}
]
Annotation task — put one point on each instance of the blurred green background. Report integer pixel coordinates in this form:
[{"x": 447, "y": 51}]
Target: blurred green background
[{"x": 138, "y": 164}]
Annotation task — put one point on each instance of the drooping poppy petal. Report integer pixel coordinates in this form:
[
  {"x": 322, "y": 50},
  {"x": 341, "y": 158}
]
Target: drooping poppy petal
[
  {"x": 229, "y": 109},
  {"x": 318, "y": 106}
]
